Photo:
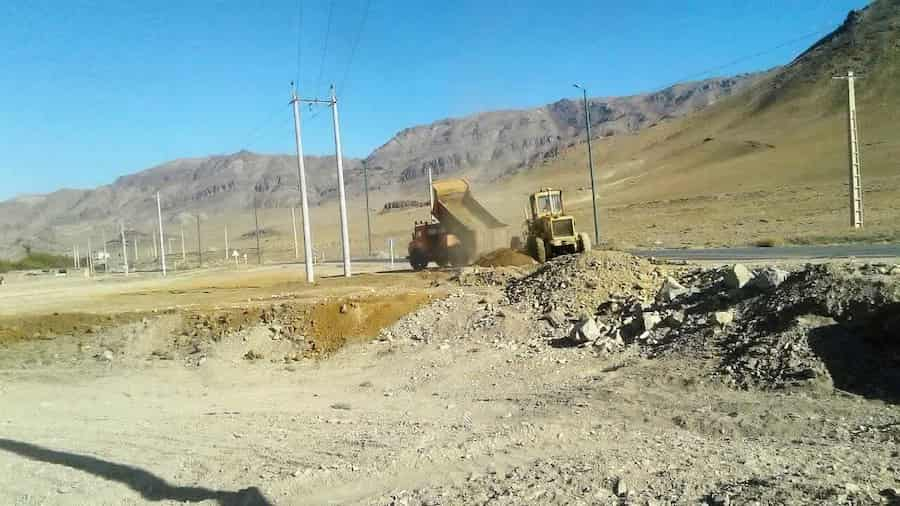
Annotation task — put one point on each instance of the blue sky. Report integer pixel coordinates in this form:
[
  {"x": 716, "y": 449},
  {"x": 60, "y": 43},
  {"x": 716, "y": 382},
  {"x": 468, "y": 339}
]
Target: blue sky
[{"x": 93, "y": 90}]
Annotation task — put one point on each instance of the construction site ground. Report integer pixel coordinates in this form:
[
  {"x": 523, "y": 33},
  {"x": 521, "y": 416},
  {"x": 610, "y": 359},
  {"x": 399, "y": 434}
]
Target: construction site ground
[{"x": 248, "y": 386}]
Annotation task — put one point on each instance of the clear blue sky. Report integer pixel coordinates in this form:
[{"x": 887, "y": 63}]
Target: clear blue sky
[{"x": 93, "y": 90}]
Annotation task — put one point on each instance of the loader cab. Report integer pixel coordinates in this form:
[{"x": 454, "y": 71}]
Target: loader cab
[{"x": 546, "y": 202}]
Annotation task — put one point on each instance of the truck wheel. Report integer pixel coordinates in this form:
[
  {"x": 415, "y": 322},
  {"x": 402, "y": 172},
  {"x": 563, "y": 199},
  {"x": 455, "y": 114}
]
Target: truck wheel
[
  {"x": 584, "y": 242},
  {"x": 540, "y": 250},
  {"x": 417, "y": 260}
]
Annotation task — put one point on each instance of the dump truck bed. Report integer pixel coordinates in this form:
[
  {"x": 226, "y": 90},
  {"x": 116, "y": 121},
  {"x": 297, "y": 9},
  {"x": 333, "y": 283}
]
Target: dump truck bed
[{"x": 456, "y": 208}]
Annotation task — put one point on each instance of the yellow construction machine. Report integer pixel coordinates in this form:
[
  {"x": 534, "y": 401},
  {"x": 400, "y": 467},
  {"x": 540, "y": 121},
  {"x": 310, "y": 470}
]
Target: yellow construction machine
[{"x": 549, "y": 231}]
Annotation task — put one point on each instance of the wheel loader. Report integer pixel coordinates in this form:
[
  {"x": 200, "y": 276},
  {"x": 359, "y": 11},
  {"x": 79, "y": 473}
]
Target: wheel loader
[{"x": 549, "y": 231}]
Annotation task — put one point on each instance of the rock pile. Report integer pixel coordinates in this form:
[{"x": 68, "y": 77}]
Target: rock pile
[
  {"x": 577, "y": 283},
  {"x": 770, "y": 328}
]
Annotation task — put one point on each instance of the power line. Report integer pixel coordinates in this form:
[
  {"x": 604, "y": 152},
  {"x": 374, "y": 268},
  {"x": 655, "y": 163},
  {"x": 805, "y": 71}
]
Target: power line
[
  {"x": 256, "y": 132},
  {"x": 355, "y": 45},
  {"x": 324, "y": 47},
  {"x": 820, "y": 31}
]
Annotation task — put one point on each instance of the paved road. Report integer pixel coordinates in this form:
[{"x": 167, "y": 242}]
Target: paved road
[{"x": 787, "y": 252}]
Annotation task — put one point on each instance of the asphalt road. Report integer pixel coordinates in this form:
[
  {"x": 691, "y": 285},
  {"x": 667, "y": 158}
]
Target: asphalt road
[{"x": 786, "y": 252}]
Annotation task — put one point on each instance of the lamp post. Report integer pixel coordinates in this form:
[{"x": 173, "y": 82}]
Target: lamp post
[{"x": 587, "y": 124}]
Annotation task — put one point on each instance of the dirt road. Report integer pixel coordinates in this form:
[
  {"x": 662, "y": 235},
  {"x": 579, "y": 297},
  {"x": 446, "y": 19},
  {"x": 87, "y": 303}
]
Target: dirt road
[{"x": 466, "y": 401}]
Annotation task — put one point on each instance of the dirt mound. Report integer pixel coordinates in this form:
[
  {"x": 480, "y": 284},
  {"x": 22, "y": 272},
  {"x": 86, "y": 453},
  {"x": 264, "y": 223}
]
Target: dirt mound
[
  {"x": 338, "y": 322},
  {"x": 579, "y": 283},
  {"x": 504, "y": 257},
  {"x": 15, "y": 328},
  {"x": 830, "y": 325}
]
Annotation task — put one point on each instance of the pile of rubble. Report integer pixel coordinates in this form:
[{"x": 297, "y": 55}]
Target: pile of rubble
[
  {"x": 437, "y": 319},
  {"x": 574, "y": 283},
  {"x": 763, "y": 328}
]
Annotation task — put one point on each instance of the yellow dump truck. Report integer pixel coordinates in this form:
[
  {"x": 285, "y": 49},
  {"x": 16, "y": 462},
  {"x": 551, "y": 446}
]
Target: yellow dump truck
[{"x": 461, "y": 228}]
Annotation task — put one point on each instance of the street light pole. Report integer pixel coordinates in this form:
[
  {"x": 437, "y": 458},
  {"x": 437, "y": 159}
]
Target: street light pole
[{"x": 587, "y": 123}]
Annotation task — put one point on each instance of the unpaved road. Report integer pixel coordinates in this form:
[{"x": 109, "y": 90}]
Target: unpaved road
[
  {"x": 378, "y": 419},
  {"x": 467, "y": 402}
]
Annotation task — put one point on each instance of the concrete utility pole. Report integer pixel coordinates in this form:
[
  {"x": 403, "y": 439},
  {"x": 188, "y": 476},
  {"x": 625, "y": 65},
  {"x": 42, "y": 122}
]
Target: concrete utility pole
[
  {"x": 256, "y": 218},
  {"x": 856, "y": 197},
  {"x": 430, "y": 197},
  {"x": 135, "y": 241},
  {"x": 90, "y": 258},
  {"x": 74, "y": 256},
  {"x": 294, "y": 228},
  {"x": 199, "y": 244},
  {"x": 226, "y": 242},
  {"x": 345, "y": 236},
  {"x": 124, "y": 248},
  {"x": 162, "y": 241},
  {"x": 587, "y": 125},
  {"x": 183, "y": 251},
  {"x": 105, "y": 253},
  {"x": 368, "y": 213},
  {"x": 391, "y": 248},
  {"x": 301, "y": 175}
]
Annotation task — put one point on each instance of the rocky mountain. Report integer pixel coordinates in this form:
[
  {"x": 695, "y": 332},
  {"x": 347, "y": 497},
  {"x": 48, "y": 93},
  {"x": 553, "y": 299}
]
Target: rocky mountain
[
  {"x": 483, "y": 146},
  {"x": 208, "y": 186},
  {"x": 491, "y": 144}
]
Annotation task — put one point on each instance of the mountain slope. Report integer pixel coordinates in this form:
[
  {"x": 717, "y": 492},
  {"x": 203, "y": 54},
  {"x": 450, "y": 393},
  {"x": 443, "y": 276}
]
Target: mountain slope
[
  {"x": 483, "y": 146},
  {"x": 492, "y": 144},
  {"x": 785, "y": 133},
  {"x": 205, "y": 186}
]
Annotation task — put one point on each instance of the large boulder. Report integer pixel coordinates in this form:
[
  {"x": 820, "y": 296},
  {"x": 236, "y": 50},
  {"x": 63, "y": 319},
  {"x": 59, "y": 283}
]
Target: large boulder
[
  {"x": 585, "y": 330},
  {"x": 671, "y": 290},
  {"x": 723, "y": 318},
  {"x": 769, "y": 278},
  {"x": 650, "y": 319},
  {"x": 737, "y": 276}
]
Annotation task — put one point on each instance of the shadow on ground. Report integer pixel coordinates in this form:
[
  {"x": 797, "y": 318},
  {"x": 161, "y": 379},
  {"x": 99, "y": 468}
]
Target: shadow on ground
[{"x": 151, "y": 487}]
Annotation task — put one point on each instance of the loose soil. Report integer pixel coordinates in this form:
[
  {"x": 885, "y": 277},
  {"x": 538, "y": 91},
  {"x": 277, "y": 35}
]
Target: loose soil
[
  {"x": 473, "y": 397},
  {"x": 504, "y": 257}
]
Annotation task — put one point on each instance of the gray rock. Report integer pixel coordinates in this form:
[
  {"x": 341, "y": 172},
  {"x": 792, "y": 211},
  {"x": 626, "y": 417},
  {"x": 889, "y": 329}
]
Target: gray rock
[
  {"x": 723, "y": 318},
  {"x": 621, "y": 488},
  {"x": 719, "y": 500},
  {"x": 737, "y": 276},
  {"x": 769, "y": 277},
  {"x": 674, "y": 319},
  {"x": 671, "y": 290},
  {"x": 556, "y": 318},
  {"x": 585, "y": 330},
  {"x": 650, "y": 319}
]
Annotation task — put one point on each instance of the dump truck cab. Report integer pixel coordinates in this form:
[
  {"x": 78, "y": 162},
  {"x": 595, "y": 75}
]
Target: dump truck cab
[
  {"x": 432, "y": 243},
  {"x": 549, "y": 231}
]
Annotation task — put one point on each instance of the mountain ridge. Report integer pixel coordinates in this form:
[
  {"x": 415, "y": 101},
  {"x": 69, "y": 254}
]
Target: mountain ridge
[{"x": 483, "y": 146}]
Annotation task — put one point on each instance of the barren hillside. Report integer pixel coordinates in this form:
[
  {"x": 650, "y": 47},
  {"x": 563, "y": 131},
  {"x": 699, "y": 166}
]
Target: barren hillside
[{"x": 484, "y": 146}]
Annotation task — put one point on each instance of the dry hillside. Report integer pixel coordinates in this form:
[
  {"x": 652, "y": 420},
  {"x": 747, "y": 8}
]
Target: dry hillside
[{"x": 769, "y": 163}]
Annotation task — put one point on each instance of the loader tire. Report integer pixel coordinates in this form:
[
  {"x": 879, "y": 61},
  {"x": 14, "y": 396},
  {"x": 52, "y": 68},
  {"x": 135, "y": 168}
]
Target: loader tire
[
  {"x": 540, "y": 250},
  {"x": 417, "y": 260}
]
